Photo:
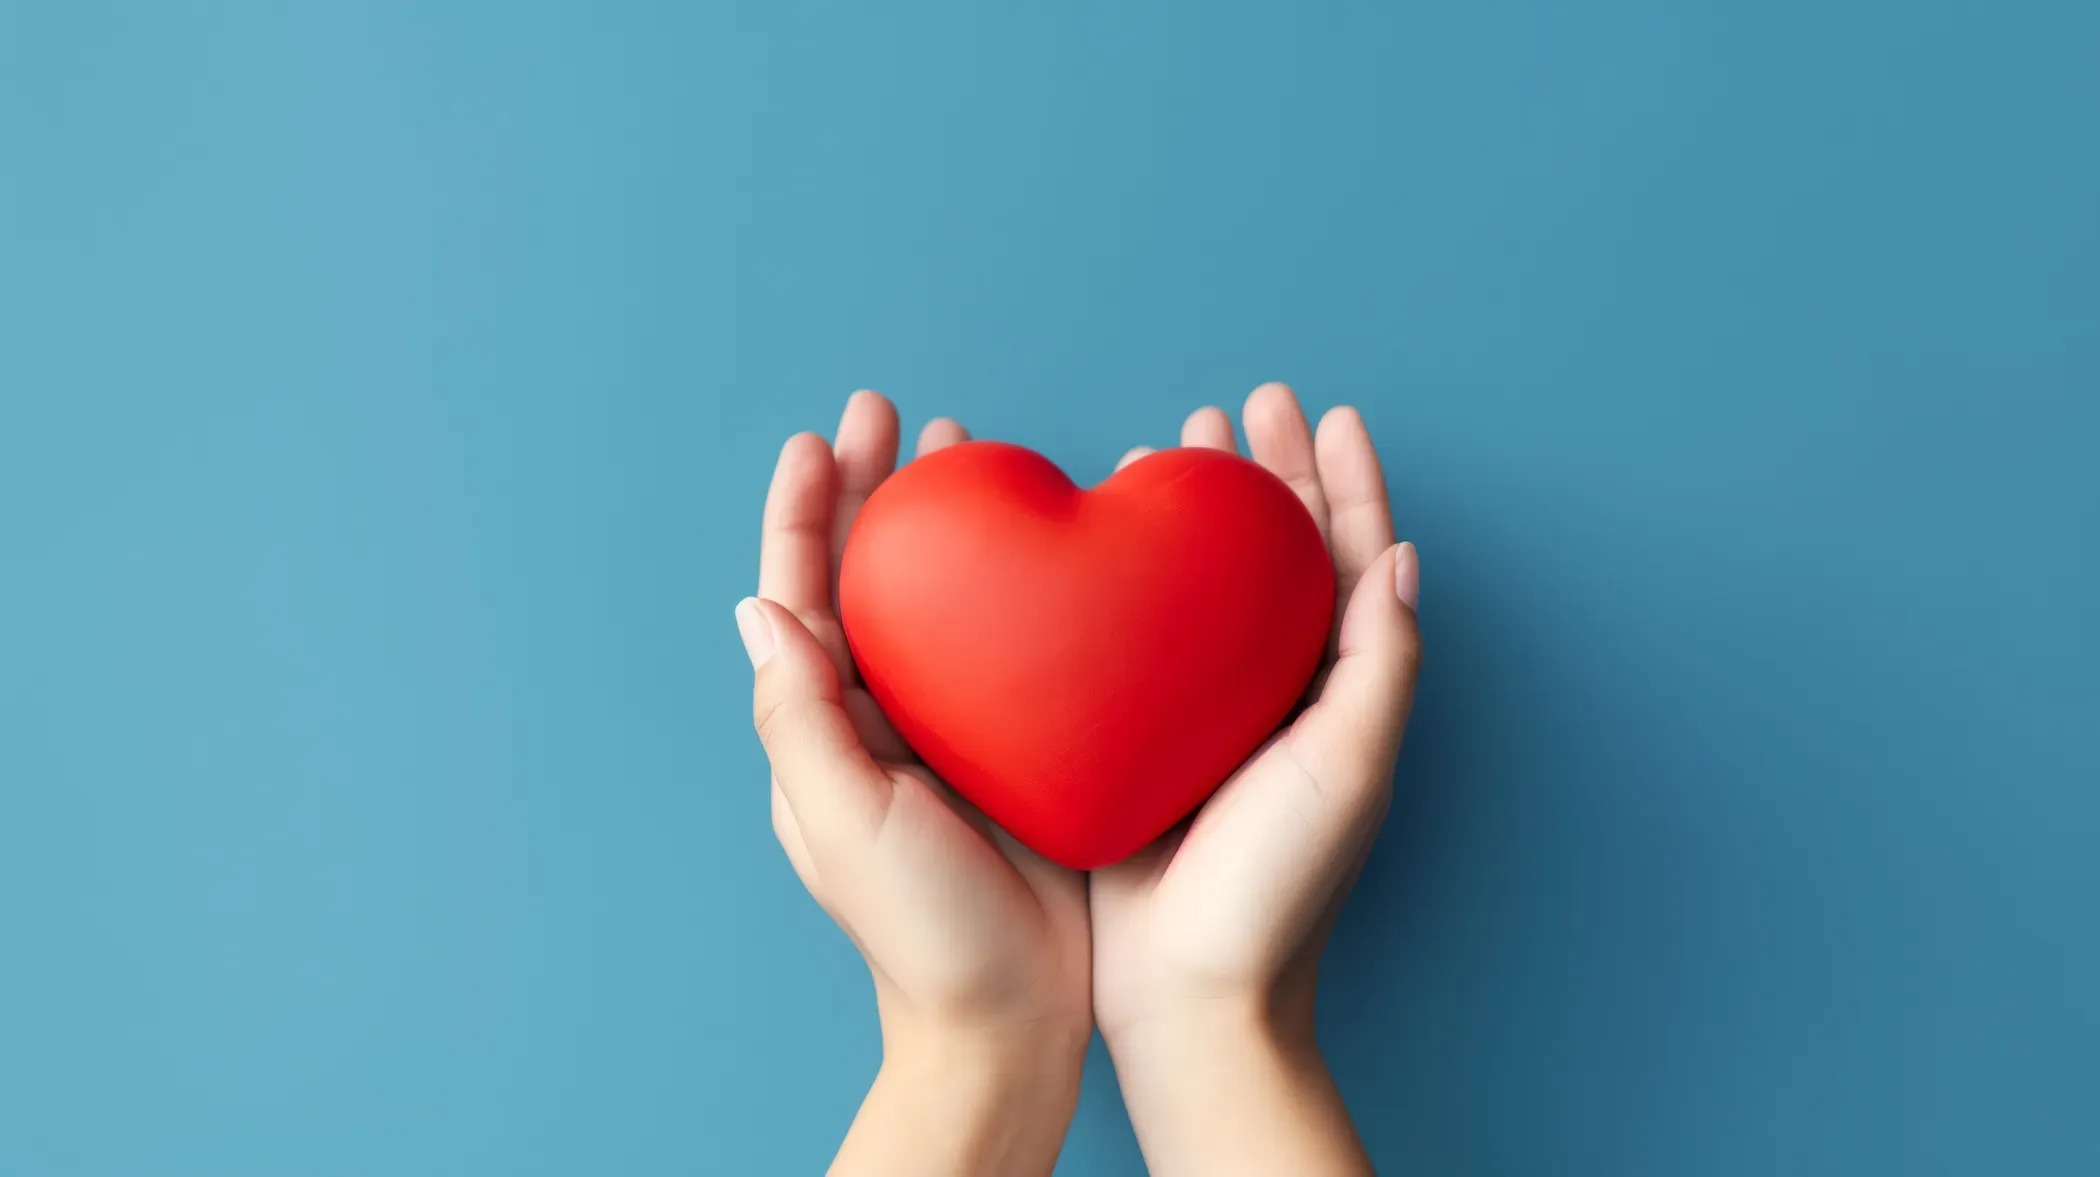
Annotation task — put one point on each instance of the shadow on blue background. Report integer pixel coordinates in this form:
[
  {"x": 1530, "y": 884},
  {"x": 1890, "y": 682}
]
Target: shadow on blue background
[{"x": 387, "y": 393}]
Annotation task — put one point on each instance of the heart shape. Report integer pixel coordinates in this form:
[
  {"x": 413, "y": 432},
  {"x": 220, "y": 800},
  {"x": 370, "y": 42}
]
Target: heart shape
[{"x": 1085, "y": 666}]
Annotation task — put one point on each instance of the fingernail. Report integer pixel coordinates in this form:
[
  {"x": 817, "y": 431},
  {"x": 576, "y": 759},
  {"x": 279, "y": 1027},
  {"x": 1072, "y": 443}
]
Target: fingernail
[
  {"x": 1407, "y": 575},
  {"x": 757, "y": 632}
]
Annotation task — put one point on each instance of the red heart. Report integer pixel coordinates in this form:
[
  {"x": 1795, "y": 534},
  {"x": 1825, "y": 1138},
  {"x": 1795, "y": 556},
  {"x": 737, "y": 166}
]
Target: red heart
[{"x": 1085, "y": 666}]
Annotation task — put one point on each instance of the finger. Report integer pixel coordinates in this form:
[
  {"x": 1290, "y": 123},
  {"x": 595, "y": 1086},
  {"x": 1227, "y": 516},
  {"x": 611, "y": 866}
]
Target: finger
[
  {"x": 866, "y": 453},
  {"x": 940, "y": 433},
  {"x": 835, "y": 791},
  {"x": 794, "y": 551},
  {"x": 1210, "y": 428},
  {"x": 1279, "y": 439},
  {"x": 1359, "y": 520},
  {"x": 1349, "y": 736},
  {"x": 1133, "y": 454}
]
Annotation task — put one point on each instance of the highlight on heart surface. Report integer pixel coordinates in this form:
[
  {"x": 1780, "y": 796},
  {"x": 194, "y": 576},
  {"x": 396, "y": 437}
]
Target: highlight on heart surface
[{"x": 1033, "y": 641}]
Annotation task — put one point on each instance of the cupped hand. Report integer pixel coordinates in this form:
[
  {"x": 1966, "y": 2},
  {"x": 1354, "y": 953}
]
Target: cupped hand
[
  {"x": 1228, "y": 914},
  {"x": 1207, "y": 944},
  {"x": 979, "y": 948}
]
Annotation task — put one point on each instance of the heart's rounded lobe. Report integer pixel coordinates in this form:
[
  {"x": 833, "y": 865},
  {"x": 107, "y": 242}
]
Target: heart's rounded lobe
[{"x": 1085, "y": 666}]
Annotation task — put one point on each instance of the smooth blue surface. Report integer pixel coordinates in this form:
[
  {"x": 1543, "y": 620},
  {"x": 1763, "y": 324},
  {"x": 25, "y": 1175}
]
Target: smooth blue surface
[{"x": 387, "y": 393}]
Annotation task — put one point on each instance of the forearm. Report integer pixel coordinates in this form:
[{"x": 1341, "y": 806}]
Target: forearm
[
  {"x": 966, "y": 1103},
  {"x": 1228, "y": 1090}
]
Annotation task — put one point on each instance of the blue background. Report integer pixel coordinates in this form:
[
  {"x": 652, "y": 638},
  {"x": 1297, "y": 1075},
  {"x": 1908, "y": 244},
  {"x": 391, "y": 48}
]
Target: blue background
[{"x": 387, "y": 393}]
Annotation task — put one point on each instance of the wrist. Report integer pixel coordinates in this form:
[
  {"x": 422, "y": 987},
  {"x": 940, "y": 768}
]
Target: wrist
[
  {"x": 1237, "y": 1085},
  {"x": 967, "y": 1099},
  {"x": 1251, "y": 1029},
  {"x": 992, "y": 1056},
  {"x": 1275, "y": 1018}
]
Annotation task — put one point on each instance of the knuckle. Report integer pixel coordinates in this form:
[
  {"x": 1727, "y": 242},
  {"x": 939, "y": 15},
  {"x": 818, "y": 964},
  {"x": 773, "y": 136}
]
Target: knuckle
[
  {"x": 1410, "y": 657},
  {"x": 770, "y": 718},
  {"x": 830, "y": 634},
  {"x": 1408, "y": 643},
  {"x": 820, "y": 623}
]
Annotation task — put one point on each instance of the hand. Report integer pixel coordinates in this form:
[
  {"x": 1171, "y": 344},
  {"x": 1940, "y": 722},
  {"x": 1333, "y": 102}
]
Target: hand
[
  {"x": 978, "y": 947},
  {"x": 1207, "y": 944}
]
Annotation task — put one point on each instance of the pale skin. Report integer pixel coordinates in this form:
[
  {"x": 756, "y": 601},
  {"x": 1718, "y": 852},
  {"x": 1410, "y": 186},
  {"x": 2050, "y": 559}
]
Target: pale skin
[{"x": 1197, "y": 959}]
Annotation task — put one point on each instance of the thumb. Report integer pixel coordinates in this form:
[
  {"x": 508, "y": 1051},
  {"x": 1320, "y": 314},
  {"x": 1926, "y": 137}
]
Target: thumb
[
  {"x": 836, "y": 790},
  {"x": 1353, "y": 730}
]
